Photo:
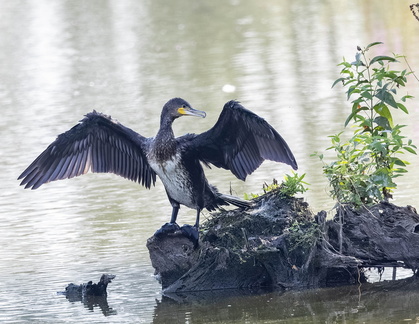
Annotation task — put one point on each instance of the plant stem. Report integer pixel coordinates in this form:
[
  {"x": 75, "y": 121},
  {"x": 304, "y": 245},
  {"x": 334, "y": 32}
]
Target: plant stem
[{"x": 371, "y": 100}]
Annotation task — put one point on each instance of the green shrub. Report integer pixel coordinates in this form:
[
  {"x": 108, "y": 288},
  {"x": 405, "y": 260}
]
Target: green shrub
[{"x": 368, "y": 163}]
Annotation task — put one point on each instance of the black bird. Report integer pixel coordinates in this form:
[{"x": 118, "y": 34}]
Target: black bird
[{"x": 239, "y": 141}]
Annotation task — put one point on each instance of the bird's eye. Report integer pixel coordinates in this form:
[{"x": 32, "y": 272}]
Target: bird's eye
[{"x": 183, "y": 106}]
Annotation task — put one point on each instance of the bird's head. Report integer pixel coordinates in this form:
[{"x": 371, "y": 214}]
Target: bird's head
[{"x": 178, "y": 107}]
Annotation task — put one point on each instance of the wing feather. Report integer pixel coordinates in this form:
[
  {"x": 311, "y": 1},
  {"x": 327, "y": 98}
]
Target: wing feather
[
  {"x": 97, "y": 143},
  {"x": 240, "y": 141}
]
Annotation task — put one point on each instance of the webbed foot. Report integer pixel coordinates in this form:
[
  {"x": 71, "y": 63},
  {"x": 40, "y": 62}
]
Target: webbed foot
[
  {"x": 166, "y": 229},
  {"x": 191, "y": 232}
]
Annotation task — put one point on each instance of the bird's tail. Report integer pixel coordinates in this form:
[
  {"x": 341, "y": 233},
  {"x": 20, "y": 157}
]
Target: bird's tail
[{"x": 241, "y": 203}]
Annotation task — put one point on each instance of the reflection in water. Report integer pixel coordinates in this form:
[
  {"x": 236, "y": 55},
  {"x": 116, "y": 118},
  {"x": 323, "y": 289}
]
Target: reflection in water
[
  {"x": 204, "y": 297},
  {"x": 90, "y": 302},
  {"x": 61, "y": 59},
  {"x": 386, "y": 302}
]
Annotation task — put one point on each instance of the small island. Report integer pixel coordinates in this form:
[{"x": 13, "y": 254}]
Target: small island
[{"x": 279, "y": 243}]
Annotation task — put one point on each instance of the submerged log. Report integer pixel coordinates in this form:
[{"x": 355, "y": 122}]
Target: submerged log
[
  {"x": 78, "y": 292},
  {"x": 91, "y": 294},
  {"x": 281, "y": 244}
]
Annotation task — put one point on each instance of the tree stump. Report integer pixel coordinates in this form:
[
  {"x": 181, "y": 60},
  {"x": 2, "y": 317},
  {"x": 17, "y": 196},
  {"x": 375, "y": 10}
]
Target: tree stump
[{"x": 280, "y": 244}]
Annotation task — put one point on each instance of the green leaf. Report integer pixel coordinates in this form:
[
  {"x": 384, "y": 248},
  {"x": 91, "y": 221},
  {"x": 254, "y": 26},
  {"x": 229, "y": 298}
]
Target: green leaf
[
  {"x": 400, "y": 81},
  {"x": 382, "y": 122},
  {"x": 386, "y": 97},
  {"x": 406, "y": 97},
  {"x": 403, "y": 108},
  {"x": 390, "y": 74},
  {"x": 381, "y": 177},
  {"x": 382, "y": 58},
  {"x": 351, "y": 91},
  {"x": 372, "y": 44},
  {"x": 383, "y": 111},
  {"x": 362, "y": 82},
  {"x": 399, "y": 162},
  {"x": 367, "y": 94},
  {"x": 337, "y": 81},
  {"x": 410, "y": 150},
  {"x": 345, "y": 64},
  {"x": 353, "y": 114},
  {"x": 400, "y": 170}
]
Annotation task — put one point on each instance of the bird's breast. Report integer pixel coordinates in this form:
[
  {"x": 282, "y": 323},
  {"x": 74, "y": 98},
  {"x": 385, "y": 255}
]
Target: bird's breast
[{"x": 175, "y": 178}]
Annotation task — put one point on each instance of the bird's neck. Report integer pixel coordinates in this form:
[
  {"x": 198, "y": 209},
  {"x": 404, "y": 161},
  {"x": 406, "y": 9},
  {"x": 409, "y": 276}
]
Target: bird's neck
[
  {"x": 165, "y": 132},
  {"x": 165, "y": 143}
]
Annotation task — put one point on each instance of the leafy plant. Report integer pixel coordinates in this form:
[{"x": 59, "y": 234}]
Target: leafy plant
[
  {"x": 368, "y": 162},
  {"x": 290, "y": 186},
  {"x": 293, "y": 184}
]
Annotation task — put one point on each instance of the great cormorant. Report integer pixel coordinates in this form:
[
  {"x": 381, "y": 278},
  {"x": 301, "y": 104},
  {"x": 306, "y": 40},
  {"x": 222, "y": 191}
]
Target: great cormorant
[{"x": 239, "y": 141}]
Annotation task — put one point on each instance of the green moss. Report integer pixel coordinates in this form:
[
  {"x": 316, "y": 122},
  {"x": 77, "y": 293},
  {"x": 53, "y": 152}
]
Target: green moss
[{"x": 274, "y": 215}]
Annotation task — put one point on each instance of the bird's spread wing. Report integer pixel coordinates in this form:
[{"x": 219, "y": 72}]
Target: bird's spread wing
[
  {"x": 97, "y": 143},
  {"x": 240, "y": 141}
]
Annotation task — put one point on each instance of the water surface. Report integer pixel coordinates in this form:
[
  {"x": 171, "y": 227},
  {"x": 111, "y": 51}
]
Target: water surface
[{"x": 61, "y": 59}]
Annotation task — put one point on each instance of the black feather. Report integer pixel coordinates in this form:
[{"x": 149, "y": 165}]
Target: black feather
[
  {"x": 239, "y": 141},
  {"x": 97, "y": 143}
]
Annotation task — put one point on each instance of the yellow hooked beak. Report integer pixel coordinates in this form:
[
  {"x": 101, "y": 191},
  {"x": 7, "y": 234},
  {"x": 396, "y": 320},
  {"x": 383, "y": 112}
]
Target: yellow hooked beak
[{"x": 188, "y": 111}]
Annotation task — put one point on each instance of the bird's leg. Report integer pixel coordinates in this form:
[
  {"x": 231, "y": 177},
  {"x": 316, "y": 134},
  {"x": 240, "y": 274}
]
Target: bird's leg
[
  {"x": 198, "y": 213},
  {"x": 175, "y": 211},
  {"x": 172, "y": 226}
]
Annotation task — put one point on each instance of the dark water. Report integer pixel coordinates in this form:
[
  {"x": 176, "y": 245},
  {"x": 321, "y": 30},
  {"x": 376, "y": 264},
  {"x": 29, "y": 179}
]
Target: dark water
[{"x": 61, "y": 59}]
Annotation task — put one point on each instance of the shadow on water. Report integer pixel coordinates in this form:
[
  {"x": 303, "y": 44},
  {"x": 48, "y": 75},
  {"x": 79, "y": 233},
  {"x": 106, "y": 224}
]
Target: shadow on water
[{"x": 384, "y": 302}]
